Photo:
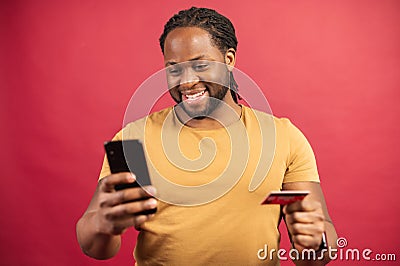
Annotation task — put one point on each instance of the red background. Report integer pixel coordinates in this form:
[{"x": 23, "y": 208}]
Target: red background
[{"x": 69, "y": 68}]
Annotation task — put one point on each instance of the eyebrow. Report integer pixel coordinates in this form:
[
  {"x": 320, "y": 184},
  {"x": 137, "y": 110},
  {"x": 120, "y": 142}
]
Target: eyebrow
[{"x": 170, "y": 63}]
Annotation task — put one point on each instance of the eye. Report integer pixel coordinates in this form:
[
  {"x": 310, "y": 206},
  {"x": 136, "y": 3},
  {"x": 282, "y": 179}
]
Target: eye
[
  {"x": 200, "y": 67},
  {"x": 174, "y": 71}
]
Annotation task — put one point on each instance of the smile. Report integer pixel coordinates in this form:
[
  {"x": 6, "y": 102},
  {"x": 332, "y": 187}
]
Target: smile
[{"x": 191, "y": 97}]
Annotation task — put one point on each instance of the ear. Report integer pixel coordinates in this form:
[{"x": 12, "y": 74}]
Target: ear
[{"x": 230, "y": 58}]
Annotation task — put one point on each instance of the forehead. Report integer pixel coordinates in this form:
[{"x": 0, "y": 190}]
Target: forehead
[{"x": 187, "y": 43}]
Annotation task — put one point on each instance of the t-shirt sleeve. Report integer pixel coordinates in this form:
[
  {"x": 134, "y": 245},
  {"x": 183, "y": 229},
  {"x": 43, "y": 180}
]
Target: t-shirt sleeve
[{"x": 301, "y": 163}]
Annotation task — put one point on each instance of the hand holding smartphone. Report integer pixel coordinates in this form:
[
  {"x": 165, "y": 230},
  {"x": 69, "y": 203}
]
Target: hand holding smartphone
[{"x": 128, "y": 156}]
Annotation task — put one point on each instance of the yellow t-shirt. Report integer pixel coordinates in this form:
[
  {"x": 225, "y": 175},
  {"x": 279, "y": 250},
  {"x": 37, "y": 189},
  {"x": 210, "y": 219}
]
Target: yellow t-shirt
[{"x": 211, "y": 183}]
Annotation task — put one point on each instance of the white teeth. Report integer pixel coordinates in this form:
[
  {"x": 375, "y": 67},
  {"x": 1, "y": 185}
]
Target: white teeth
[{"x": 193, "y": 96}]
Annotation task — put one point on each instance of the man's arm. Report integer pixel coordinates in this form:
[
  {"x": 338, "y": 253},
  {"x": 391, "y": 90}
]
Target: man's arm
[
  {"x": 111, "y": 213},
  {"x": 307, "y": 220}
]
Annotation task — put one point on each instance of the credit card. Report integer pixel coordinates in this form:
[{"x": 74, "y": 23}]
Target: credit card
[{"x": 285, "y": 197}]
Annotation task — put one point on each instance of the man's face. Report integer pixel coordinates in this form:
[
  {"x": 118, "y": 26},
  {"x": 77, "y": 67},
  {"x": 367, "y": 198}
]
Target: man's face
[{"x": 195, "y": 71}]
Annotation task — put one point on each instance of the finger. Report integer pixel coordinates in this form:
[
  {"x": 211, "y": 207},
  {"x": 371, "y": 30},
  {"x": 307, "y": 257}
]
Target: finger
[
  {"x": 126, "y": 195},
  {"x": 303, "y": 205},
  {"x": 150, "y": 190},
  {"x": 122, "y": 211},
  {"x": 307, "y": 241},
  {"x": 135, "y": 221},
  {"x": 118, "y": 227},
  {"x": 314, "y": 229},
  {"x": 304, "y": 217},
  {"x": 108, "y": 183},
  {"x": 139, "y": 220}
]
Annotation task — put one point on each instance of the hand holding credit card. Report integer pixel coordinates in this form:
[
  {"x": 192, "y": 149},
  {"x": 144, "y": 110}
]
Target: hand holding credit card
[{"x": 285, "y": 197}]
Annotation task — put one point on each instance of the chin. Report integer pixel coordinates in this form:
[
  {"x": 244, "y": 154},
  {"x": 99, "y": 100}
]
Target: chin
[{"x": 197, "y": 114}]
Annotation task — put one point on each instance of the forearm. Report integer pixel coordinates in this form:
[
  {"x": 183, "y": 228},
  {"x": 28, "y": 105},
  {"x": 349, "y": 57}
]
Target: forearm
[
  {"x": 322, "y": 257},
  {"x": 94, "y": 244}
]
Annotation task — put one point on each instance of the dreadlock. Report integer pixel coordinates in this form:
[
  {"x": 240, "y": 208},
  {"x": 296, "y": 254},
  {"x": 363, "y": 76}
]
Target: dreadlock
[{"x": 219, "y": 27}]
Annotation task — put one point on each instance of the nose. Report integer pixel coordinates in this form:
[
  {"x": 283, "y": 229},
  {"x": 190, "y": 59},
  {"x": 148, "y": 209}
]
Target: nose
[{"x": 188, "y": 78}]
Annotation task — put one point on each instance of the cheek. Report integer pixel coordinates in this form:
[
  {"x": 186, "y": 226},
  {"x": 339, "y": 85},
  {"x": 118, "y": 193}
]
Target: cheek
[
  {"x": 216, "y": 90},
  {"x": 173, "y": 82},
  {"x": 175, "y": 94},
  {"x": 217, "y": 76}
]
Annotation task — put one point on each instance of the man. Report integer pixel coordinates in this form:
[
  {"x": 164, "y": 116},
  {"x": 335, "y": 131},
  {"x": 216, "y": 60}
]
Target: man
[{"x": 226, "y": 228}]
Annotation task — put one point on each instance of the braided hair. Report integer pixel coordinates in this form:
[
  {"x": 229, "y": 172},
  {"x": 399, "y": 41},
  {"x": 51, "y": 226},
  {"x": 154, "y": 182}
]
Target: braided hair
[{"x": 218, "y": 26}]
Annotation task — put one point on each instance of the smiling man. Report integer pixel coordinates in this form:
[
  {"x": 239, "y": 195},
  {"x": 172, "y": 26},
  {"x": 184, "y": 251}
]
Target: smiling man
[{"x": 199, "y": 47}]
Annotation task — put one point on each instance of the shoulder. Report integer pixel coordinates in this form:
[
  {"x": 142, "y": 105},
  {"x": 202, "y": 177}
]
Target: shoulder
[
  {"x": 284, "y": 132},
  {"x": 156, "y": 117},
  {"x": 135, "y": 129},
  {"x": 281, "y": 124}
]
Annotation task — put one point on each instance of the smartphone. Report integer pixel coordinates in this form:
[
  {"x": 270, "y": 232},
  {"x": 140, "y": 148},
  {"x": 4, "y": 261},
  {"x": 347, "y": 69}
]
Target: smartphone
[
  {"x": 285, "y": 197},
  {"x": 128, "y": 156}
]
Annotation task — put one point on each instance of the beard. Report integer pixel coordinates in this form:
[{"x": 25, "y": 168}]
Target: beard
[{"x": 212, "y": 102}]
